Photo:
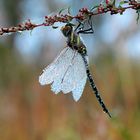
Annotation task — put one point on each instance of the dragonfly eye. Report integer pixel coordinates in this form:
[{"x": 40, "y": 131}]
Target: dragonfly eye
[{"x": 66, "y": 30}]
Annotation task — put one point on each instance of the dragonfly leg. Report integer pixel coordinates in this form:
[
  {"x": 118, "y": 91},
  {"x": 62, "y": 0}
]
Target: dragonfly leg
[
  {"x": 78, "y": 26},
  {"x": 86, "y": 31}
]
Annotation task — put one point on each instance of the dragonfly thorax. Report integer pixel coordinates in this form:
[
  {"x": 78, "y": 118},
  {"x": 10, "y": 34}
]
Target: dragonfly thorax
[{"x": 74, "y": 41}]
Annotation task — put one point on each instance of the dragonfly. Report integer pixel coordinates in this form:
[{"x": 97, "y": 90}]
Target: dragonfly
[{"x": 70, "y": 70}]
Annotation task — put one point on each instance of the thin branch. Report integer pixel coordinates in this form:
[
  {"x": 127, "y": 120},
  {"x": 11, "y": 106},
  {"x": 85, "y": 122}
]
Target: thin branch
[{"x": 83, "y": 15}]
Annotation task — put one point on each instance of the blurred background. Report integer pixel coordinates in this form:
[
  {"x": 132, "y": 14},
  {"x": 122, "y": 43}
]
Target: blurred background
[{"x": 29, "y": 111}]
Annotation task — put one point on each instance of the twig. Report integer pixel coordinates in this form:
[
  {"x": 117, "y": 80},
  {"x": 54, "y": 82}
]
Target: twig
[{"x": 83, "y": 14}]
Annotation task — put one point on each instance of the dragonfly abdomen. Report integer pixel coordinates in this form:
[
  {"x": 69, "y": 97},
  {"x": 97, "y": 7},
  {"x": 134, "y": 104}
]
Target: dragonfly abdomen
[{"x": 92, "y": 83}]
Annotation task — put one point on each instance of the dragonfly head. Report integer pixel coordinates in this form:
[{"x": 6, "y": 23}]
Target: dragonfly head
[{"x": 67, "y": 29}]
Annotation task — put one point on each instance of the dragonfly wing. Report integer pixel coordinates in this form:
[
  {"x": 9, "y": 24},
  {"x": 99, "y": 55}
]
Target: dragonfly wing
[
  {"x": 75, "y": 78},
  {"x": 50, "y": 72},
  {"x": 78, "y": 90},
  {"x": 66, "y": 73},
  {"x": 46, "y": 77},
  {"x": 81, "y": 78},
  {"x": 61, "y": 68},
  {"x": 68, "y": 80}
]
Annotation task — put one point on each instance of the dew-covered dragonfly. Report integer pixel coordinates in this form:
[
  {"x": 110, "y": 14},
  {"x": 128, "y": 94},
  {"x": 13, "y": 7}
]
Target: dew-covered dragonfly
[{"x": 70, "y": 70}]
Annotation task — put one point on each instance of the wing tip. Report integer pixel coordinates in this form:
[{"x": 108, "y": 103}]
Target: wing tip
[
  {"x": 76, "y": 97},
  {"x": 41, "y": 81},
  {"x": 76, "y": 100}
]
